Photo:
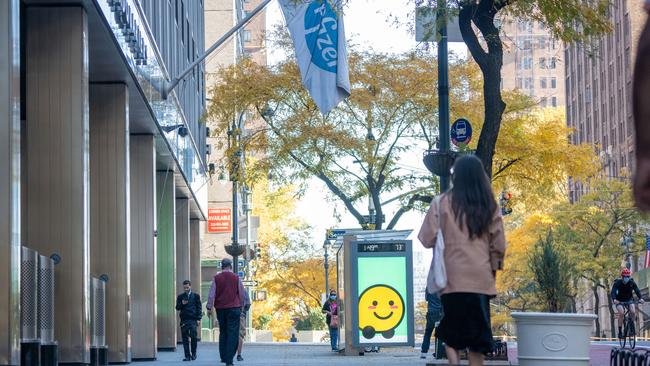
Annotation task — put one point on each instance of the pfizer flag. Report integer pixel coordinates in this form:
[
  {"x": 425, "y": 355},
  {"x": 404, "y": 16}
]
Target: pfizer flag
[{"x": 319, "y": 38}]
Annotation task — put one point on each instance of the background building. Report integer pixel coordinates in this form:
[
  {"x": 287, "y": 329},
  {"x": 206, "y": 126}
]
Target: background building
[
  {"x": 220, "y": 16},
  {"x": 532, "y": 62},
  {"x": 599, "y": 105},
  {"x": 599, "y": 88}
]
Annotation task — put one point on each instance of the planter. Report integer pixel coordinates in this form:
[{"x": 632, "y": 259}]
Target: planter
[
  {"x": 235, "y": 250},
  {"x": 439, "y": 163},
  {"x": 553, "y": 338},
  {"x": 310, "y": 336}
]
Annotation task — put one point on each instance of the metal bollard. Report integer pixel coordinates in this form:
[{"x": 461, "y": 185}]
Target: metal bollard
[
  {"x": 49, "y": 347},
  {"x": 98, "y": 348},
  {"x": 613, "y": 357},
  {"x": 29, "y": 342}
]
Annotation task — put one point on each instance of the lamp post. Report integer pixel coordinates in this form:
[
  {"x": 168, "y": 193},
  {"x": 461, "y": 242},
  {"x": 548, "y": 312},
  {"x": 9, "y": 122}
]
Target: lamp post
[
  {"x": 326, "y": 245},
  {"x": 443, "y": 86}
]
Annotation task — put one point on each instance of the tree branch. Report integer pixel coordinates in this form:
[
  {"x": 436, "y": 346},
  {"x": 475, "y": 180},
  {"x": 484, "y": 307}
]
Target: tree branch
[{"x": 408, "y": 207}]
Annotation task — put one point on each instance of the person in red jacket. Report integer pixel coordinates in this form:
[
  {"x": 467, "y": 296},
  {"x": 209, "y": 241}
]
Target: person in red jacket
[{"x": 227, "y": 298}]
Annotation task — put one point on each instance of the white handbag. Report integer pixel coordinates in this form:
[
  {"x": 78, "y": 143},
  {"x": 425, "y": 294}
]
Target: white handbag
[{"x": 437, "y": 277}]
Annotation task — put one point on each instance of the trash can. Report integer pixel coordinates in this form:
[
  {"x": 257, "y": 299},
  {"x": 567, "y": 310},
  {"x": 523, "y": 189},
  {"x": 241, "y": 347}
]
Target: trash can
[
  {"x": 98, "y": 348},
  {"x": 29, "y": 340},
  {"x": 49, "y": 346}
]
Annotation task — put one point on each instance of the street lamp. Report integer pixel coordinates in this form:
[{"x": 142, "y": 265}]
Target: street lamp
[{"x": 326, "y": 246}]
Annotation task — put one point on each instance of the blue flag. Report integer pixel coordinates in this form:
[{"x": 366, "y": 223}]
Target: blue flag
[{"x": 318, "y": 36}]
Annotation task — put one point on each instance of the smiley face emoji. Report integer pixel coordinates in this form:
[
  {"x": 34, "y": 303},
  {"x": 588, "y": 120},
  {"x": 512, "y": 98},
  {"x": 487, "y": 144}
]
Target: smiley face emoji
[{"x": 381, "y": 310}]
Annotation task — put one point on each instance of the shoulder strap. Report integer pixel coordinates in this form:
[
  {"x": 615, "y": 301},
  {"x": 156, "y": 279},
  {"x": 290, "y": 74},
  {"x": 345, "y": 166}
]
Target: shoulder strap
[{"x": 438, "y": 204}]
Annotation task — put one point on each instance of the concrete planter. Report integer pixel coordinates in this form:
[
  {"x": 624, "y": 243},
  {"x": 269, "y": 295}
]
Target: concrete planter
[
  {"x": 545, "y": 339},
  {"x": 263, "y": 336},
  {"x": 310, "y": 336}
]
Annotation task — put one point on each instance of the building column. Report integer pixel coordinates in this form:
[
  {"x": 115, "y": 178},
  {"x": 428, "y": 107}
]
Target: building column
[
  {"x": 9, "y": 182},
  {"x": 182, "y": 248},
  {"x": 166, "y": 261},
  {"x": 109, "y": 209},
  {"x": 195, "y": 255},
  {"x": 55, "y": 217},
  {"x": 143, "y": 246}
]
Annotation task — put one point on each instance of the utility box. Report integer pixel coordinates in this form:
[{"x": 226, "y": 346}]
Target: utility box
[{"x": 375, "y": 285}]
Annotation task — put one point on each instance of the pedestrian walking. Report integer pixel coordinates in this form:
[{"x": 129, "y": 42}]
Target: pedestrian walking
[
  {"x": 188, "y": 305},
  {"x": 434, "y": 314},
  {"x": 331, "y": 309},
  {"x": 641, "y": 95},
  {"x": 227, "y": 297},
  {"x": 474, "y": 247},
  {"x": 242, "y": 325}
]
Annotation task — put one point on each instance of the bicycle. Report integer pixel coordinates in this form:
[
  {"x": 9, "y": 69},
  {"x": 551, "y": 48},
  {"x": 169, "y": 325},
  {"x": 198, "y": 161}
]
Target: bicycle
[{"x": 629, "y": 326}]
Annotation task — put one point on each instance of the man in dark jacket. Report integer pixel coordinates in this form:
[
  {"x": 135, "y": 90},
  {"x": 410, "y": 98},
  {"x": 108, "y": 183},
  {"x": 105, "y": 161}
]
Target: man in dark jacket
[
  {"x": 227, "y": 297},
  {"x": 434, "y": 314},
  {"x": 188, "y": 304}
]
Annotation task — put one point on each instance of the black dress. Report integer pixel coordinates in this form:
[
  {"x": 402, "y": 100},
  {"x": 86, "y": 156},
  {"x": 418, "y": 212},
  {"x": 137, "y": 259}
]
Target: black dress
[{"x": 466, "y": 323}]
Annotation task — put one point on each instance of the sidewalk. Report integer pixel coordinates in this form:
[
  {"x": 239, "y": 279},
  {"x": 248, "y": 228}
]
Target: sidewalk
[
  {"x": 295, "y": 354},
  {"x": 281, "y": 354}
]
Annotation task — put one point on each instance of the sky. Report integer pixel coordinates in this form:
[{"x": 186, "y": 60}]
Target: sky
[{"x": 369, "y": 25}]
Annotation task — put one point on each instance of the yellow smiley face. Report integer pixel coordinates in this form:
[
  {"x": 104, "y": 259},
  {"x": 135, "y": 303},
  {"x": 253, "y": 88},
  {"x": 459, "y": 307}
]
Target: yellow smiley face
[{"x": 381, "y": 310}]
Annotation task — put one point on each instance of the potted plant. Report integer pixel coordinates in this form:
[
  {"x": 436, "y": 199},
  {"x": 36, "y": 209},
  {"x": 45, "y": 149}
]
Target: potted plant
[{"x": 553, "y": 337}]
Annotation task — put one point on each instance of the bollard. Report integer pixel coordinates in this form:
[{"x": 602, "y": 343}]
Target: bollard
[
  {"x": 613, "y": 357},
  {"x": 29, "y": 341},
  {"x": 49, "y": 347},
  {"x": 98, "y": 348}
]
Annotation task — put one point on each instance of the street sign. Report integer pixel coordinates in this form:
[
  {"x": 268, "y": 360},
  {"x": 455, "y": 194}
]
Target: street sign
[
  {"x": 332, "y": 234},
  {"x": 241, "y": 274},
  {"x": 425, "y": 25},
  {"x": 250, "y": 283},
  {"x": 461, "y": 132}
]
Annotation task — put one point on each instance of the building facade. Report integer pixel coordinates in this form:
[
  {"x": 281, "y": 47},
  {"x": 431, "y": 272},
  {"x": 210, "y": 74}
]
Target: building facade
[
  {"x": 99, "y": 171},
  {"x": 599, "y": 107},
  {"x": 599, "y": 89},
  {"x": 532, "y": 62}
]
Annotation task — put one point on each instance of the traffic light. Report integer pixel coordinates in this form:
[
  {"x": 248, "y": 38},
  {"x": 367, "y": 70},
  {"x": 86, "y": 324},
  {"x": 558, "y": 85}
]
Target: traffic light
[
  {"x": 258, "y": 252},
  {"x": 505, "y": 204}
]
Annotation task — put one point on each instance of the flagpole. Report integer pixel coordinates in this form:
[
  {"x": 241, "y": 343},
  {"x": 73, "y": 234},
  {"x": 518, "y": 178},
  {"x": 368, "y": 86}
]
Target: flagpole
[{"x": 167, "y": 87}]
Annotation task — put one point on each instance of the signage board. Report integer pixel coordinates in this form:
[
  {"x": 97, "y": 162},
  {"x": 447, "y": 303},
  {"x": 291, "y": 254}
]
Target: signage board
[
  {"x": 461, "y": 132},
  {"x": 219, "y": 220},
  {"x": 382, "y": 288},
  {"x": 425, "y": 25}
]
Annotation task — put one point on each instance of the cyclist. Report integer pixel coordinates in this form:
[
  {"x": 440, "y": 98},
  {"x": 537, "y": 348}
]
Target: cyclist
[{"x": 623, "y": 291}]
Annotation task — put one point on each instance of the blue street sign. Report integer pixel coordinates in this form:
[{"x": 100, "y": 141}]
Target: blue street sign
[
  {"x": 241, "y": 274},
  {"x": 461, "y": 132}
]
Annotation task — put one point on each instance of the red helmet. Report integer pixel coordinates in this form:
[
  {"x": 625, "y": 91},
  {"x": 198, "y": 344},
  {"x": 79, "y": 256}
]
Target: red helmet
[{"x": 626, "y": 272}]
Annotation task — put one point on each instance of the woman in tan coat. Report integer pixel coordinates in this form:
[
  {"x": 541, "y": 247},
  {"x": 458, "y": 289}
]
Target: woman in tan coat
[{"x": 473, "y": 233}]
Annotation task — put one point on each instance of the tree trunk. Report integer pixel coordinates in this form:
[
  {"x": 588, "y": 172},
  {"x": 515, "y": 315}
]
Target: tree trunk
[
  {"x": 482, "y": 15},
  {"x": 596, "y": 307}
]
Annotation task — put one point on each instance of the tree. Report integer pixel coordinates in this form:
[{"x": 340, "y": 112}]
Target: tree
[
  {"x": 356, "y": 149},
  {"x": 288, "y": 268},
  {"x": 570, "y": 21},
  {"x": 592, "y": 229},
  {"x": 552, "y": 273}
]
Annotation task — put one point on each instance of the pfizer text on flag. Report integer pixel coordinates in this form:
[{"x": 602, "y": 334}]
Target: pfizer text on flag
[{"x": 319, "y": 39}]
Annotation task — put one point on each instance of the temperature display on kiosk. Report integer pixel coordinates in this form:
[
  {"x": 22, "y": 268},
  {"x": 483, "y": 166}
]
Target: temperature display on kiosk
[{"x": 381, "y": 247}]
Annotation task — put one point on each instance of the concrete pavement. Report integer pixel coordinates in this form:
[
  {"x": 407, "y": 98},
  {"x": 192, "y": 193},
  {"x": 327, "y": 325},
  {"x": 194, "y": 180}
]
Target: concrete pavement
[{"x": 280, "y": 354}]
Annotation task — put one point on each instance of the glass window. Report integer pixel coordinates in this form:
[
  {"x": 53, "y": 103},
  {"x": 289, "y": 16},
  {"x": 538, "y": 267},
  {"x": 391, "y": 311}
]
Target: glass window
[
  {"x": 554, "y": 101},
  {"x": 542, "y": 43},
  {"x": 528, "y": 63},
  {"x": 553, "y": 83},
  {"x": 542, "y": 62},
  {"x": 247, "y": 35},
  {"x": 542, "y": 83},
  {"x": 552, "y": 63}
]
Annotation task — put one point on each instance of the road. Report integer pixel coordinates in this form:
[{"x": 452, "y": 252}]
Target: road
[{"x": 281, "y": 354}]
